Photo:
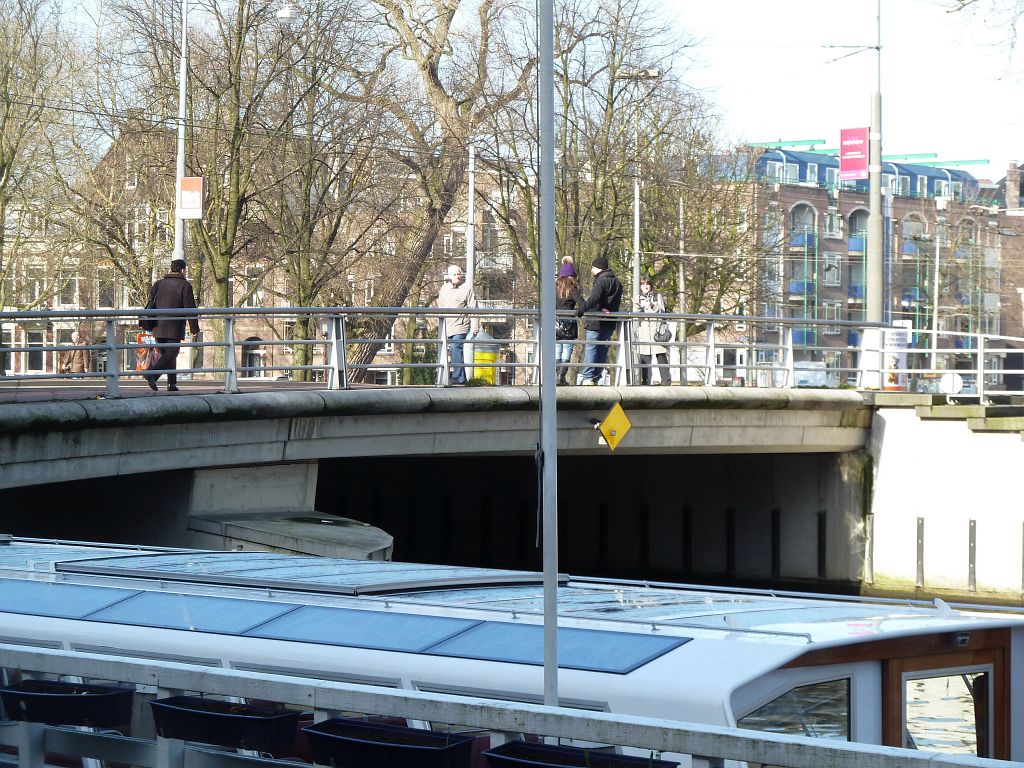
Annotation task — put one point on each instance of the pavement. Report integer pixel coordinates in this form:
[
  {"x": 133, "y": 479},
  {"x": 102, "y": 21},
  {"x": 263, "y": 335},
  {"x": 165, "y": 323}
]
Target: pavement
[{"x": 43, "y": 391}]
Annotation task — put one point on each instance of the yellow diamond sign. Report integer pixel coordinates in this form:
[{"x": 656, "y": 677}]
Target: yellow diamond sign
[{"x": 615, "y": 426}]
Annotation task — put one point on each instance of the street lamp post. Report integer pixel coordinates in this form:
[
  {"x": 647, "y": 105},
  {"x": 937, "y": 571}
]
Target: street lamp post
[
  {"x": 876, "y": 257},
  {"x": 637, "y": 75},
  {"x": 179, "y": 223}
]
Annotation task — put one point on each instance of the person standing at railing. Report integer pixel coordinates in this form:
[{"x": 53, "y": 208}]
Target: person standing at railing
[
  {"x": 75, "y": 359},
  {"x": 567, "y": 296},
  {"x": 605, "y": 296},
  {"x": 172, "y": 291},
  {"x": 456, "y": 293},
  {"x": 649, "y": 332}
]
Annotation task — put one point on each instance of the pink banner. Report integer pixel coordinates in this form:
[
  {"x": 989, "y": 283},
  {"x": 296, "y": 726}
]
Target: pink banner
[{"x": 853, "y": 154}]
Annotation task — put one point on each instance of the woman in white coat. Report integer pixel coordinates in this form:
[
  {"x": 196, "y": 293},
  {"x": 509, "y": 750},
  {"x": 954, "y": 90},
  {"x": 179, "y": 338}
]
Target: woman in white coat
[{"x": 648, "y": 336}]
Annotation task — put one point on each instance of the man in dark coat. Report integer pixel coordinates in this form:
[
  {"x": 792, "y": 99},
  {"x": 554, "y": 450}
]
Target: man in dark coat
[
  {"x": 605, "y": 296},
  {"x": 172, "y": 291}
]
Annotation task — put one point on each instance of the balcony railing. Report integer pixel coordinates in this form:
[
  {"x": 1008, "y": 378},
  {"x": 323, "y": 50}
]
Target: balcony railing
[{"x": 342, "y": 347}]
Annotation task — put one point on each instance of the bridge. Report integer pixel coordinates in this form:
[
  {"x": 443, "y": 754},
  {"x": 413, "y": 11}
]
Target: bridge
[{"x": 828, "y": 487}]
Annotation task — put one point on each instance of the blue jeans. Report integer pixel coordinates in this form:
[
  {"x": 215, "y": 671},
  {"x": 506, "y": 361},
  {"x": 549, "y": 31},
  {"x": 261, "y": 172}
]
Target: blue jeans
[
  {"x": 595, "y": 355},
  {"x": 456, "y": 350},
  {"x": 563, "y": 351}
]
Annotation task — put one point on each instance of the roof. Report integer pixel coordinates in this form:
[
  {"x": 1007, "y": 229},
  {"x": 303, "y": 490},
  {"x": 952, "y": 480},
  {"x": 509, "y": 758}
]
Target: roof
[{"x": 127, "y": 579}]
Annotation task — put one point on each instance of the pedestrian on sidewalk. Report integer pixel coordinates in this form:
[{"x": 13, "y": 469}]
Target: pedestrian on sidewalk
[
  {"x": 605, "y": 297},
  {"x": 456, "y": 293},
  {"x": 172, "y": 291}
]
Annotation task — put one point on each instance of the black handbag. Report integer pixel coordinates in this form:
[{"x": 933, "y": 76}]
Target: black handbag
[
  {"x": 663, "y": 333},
  {"x": 147, "y": 322}
]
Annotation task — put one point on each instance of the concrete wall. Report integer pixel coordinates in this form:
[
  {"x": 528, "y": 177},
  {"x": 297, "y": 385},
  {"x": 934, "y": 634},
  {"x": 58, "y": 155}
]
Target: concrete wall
[{"x": 947, "y": 475}]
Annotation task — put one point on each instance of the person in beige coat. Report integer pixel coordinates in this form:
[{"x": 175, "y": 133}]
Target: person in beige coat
[
  {"x": 647, "y": 346},
  {"x": 75, "y": 359}
]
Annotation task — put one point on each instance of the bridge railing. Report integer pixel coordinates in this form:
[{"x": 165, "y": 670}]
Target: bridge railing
[
  {"x": 338, "y": 346},
  {"x": 700, "y": 746}
]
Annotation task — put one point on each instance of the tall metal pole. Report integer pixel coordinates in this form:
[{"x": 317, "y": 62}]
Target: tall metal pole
[
  {"x": 636, "y": 238},
  {"x": 875, "y": 251},
  {"x": 682, "y": 255},
  {"x": 471, "y": 245},
  {"x": 548, "y": 415},
  {"x": 471, "y": 219},
  {"x": 179, "y": 173},
  {"x": 935, "y": 302}
]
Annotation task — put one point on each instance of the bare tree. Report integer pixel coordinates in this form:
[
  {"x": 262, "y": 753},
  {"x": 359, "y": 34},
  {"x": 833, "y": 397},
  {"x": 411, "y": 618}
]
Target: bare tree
[{"x": 450, "y": 90}]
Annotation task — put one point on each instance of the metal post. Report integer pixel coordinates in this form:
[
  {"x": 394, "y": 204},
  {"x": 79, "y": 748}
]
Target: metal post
[
  {"x": 636, "y": 236},
  {"x": 467, "y": 354},
  {"x": 231, "y": 376},
  {"x": 681, "y": 335},
  {"x": 935, "y": 303},
  {"x": 876, "y": 270},
  {"x": 548, "y": 453},
  {"x": 442, "y": 353},
  {"x": 790, "y": 380},
  {"x": 334, "y": 375},
  {"x": 981, "y": 369},
  {"x": 113, "y": 371},
  {"x": 179, "y": 223},
  {"x": 710, "y": 356},
  {"x": 628, "y": 371}
]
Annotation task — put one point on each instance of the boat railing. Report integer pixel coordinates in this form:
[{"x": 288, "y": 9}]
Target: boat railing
[
  {"x": 337, "y": 347},
  {"x": 708, "y": 746}
]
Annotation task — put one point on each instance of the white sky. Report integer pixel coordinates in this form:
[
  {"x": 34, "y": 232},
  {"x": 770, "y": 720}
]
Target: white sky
[{"x": 949, "y": 83}]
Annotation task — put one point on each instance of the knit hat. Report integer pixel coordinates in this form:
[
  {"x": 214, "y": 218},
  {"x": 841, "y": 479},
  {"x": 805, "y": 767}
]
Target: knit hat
[
  {"x": 567, "y": 270},
  {"x": 600, "y": 262}
]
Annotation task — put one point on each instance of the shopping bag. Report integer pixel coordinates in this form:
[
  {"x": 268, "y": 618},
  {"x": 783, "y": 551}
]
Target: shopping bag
[{"x": 146, "y": 354}]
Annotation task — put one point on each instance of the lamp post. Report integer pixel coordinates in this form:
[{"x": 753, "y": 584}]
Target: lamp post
[
  {"x": 876, "y": 256},
  {"x": 637, "y": 75},
  {"x": 179, "y": 173}
]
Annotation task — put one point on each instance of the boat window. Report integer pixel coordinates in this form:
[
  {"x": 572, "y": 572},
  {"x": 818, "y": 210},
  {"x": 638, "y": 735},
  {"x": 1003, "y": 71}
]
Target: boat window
[
  {"x": 820, "y": 710},
  {"x": 948, "y": 712}
]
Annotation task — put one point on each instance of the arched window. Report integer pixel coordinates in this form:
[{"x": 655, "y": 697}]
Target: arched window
[
  {"x": 913, "y": 227},
  {"x": 801, "y": 218},
  {"x": 859, "y": 222}
]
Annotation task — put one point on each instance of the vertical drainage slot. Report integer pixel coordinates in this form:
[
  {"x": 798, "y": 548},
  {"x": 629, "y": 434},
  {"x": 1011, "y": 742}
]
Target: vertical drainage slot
[
  {"x": 919, "y": 582},
  {"x": 972, "y": 551}
]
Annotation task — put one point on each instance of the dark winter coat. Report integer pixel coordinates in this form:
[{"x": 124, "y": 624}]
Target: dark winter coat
[
  {"x": 565, "y": 328},
  {"x": 605, "y": 294},
  {"x": 171, "y": 292}
]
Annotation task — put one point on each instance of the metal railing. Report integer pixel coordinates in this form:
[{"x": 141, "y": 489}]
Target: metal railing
[
  {"x": 329, "y": 346},
  {"x": 707, "y": 746}
]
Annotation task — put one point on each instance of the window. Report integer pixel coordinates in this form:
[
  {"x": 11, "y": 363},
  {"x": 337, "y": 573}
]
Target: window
[
  {"x": 904, "y": 185},
  {"x": 67, "y": 293},
  {"x": 831, "y": 310},
  {"x": 131, "y": 174},
  {"x": 949, "y": 711},
  {"x": 35, "y": 284},
  {"x": 812, "y": 173},
  {"x": 958, "y": 190},
  {"x": 162, "y": 233},
  {"x": 922, "y": 186},
  {"x": 833, "y": 224},
  {"x": 819, "y": 710},
  {"x": 833, "y": 276},
  {"x": 252, "y": 287},
  {"x": 388, "y": 347},
  {"x": 773, "y": 171},
  {"x": 105, "y": 288},
  {"x": 942, "y": 188},
  {"x": 8, "y": 286},
  {"x": 831, "y": 177},
  {"x": 6, "y": 358},
  {"x": 34, "y": 340},
  {"x": 859, "y": 222},
  {"x": 742, "y": 224}
]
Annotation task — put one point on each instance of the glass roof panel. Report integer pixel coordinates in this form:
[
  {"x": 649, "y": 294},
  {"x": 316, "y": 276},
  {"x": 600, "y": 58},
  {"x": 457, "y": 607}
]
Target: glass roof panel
[
  {"x": 268, "y": 569},
  {"x": 47, "y": 598},
  {"x": 587, "y": 649},
  {"x": 382, "y": 630},
  {"x": 194, "y": 612}
]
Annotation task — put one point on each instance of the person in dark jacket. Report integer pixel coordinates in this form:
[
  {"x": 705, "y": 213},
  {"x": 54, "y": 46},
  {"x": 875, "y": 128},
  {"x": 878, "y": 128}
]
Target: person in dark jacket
[
  {"x": 605, "y": 296},
  {"x": 567, "y": 296},
  {"x": 172, "y": 291}
]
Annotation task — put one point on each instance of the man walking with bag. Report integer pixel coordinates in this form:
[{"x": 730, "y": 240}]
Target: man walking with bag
[{"x": 172, "y": 291}]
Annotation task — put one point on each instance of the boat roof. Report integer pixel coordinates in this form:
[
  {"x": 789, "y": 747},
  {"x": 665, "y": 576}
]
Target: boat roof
[{"x": 432, "y": 608}]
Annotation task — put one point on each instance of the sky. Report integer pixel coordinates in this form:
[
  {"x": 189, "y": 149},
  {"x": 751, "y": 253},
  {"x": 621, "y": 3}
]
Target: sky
[{"x": 950, "y": 82}]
